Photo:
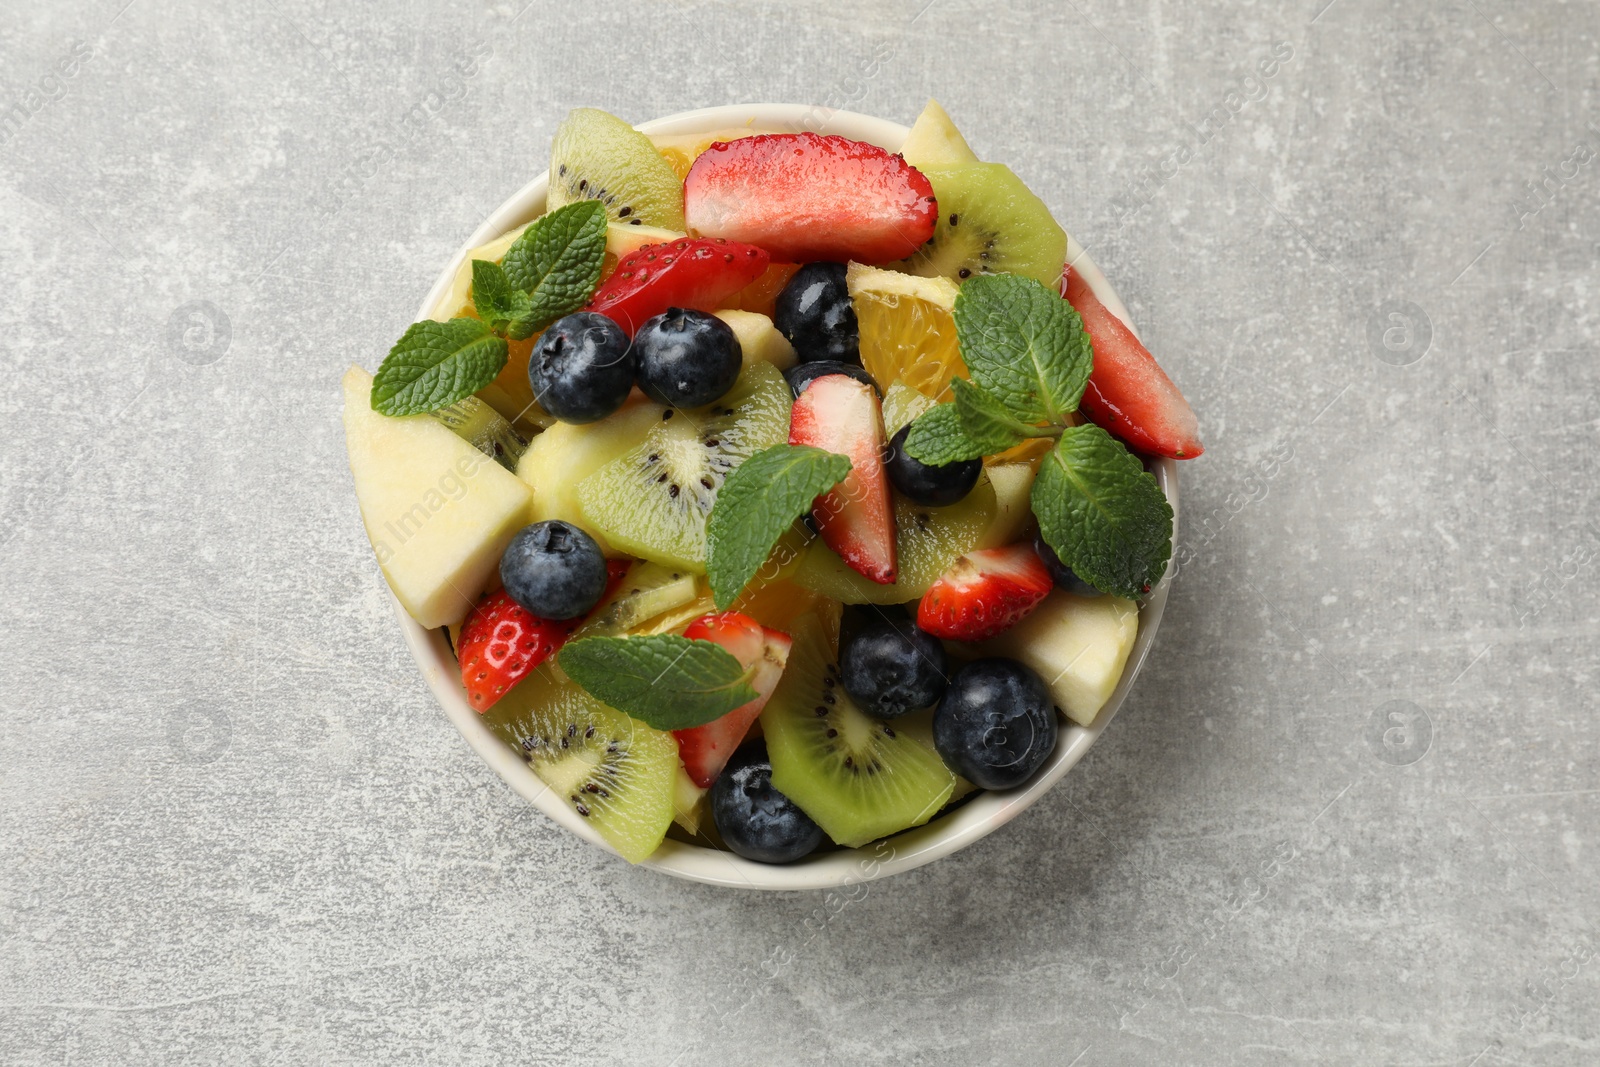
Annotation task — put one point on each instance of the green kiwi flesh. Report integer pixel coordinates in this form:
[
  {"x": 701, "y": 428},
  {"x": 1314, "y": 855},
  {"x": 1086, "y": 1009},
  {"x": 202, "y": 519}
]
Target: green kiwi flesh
[
  {"x": 856, "y": 776},
  {"x": 485, "y": 429},
  {"x": 615, "y": 772},
  {"x": 597, "y": 156},
  {"x": 653, "y": 502},
  {"x": 989, "y": 223},
  {"x": 648, "y": 590},
  {"x": 927, "y": 541}
]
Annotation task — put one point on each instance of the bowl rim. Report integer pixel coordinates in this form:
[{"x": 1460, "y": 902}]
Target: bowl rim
[{"x": 979, "y": 816}]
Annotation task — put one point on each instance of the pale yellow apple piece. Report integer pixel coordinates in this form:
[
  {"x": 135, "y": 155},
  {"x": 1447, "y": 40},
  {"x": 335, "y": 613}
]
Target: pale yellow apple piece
[
  {"x": 438, "y": 512},
  {"x": 759, "y": 338},
  {"x": 565, "y": 454},
  {"x": 1013, "y": 486},
  {"x": 1079, "y": 646},
  {"x": 934, "y": 141}
]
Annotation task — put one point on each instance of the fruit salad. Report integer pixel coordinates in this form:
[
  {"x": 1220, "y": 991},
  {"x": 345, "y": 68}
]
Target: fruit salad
[{"x": 775, "y": 491}]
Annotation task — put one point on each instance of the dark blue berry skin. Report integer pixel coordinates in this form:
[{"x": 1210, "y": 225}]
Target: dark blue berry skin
[
  {"x": 932, "y": 487},
  {"x": 581, "y": 368},
  {"x": 815, "y": 313},
  {"x": 889, "y": 665},
  {"x": 686, "y": 358},
  {"x": 554, "y": 570},
  {"x": 1060, "y": 573},
  {"x": 802, "y": 375},
  {"x": 754, "y": 819},
  {"x": 996, "y": 723}
]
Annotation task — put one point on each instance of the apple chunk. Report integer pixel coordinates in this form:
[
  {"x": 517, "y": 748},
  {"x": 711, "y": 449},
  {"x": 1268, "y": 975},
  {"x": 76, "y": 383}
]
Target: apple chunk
[
  {"x": 1079, "y": 646},
  {"x": 438, "y": 512}
]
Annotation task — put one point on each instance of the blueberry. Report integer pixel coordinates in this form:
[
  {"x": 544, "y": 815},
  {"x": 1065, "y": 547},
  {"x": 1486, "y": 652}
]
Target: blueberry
[
  {"x": 996, "y": 723},
  {"x": 889, "y": 665},
  {"x": 754, "y": 819},
  {"x": 686, "y": 358},
  {"x": 582, "y": 367},
  {"x": 1060, "y": 573},
  {"x": 554, "y": 570},
  {"x": 814, "y": 312},
  {"x": 932, "y": 487},
  {"x": 803, "y": 374}
]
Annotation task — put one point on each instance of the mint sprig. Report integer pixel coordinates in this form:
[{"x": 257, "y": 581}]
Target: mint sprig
[
  {"x": 1023, "y": 344},
  {"x": 985, "y": 419},
  {"x": 1030, "y": 359},
  {"x": 1103, "y": 513},
  {"x": 550, "y": 270},
  {"x": 665, "y": 681},
  {"x": 508, "y": 311},
  {"x": 937, "y": 438},
  {"x": 758, "y": 502},
  {"x": 436, "y": 364},
  {"x": 557, "y": 260}
]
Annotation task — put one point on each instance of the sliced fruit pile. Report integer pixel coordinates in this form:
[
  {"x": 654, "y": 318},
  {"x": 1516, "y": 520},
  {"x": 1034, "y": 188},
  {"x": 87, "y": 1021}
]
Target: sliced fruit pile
[{"x": 772, "y": 484}]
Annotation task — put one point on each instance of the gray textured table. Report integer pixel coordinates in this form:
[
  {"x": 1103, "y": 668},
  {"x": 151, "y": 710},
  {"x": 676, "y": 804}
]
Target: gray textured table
[{"x": 1348, "y": 816}]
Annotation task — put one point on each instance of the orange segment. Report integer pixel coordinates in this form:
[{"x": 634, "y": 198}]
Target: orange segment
[
  {"x": 682, "y": 149},
  {"x": 761, "y": 295},
  {"x": 1028, "y": 451},
  {"x": 907, "y": 330}
]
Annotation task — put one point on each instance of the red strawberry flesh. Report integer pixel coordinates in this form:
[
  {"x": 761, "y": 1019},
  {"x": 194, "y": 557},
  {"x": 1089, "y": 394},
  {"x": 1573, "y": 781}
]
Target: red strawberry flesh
[
  {"x": 805, "y": 197},
  {"x": 698, "y": 274},
  {"x": 839, "y": 414},
  {"x": 502, "y": 642},
  {"x": 984, "y": 593},
  {"x": 705, "y": 749},
  {"x": 1129, "y": 394}
]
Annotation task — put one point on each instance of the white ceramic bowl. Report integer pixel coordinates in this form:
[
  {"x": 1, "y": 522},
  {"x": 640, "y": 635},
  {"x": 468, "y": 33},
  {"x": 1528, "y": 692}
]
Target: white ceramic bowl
[{"x": 983, "y": 813}]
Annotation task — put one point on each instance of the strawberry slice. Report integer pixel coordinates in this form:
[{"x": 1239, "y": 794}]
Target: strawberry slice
[
  {"x": 697, "y": 274},
  {"x": 984, "y": 593},
  {"x": 705, "y": 749},
  {"x": 1128, "y": 393},
  {"x": 804, "y": 197},
  {"x": 838, "y": 413},
  {"x": 502, "y": 642}
]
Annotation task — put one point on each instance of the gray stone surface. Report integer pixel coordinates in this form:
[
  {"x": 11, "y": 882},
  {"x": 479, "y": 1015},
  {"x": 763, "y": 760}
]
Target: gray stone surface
[{"x": 1348, "y": 816}]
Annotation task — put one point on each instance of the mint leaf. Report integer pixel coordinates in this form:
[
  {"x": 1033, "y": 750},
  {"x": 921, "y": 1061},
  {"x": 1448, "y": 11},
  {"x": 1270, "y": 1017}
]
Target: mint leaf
[
  {"x": 508, "y": 311},
  {"x": 491, "y": 291},
  {"x": 937, "y": 437},
  {"x": 435, "y": 364},
  {"x": 986, "y": 420},
  {"x": 1024, "y": 344},
  {"x": 1102, "y": 512},
  {"x": 665, "y": 681},
  {"x": 557, "y": 261},
  {"x": 758, "y": 502}
]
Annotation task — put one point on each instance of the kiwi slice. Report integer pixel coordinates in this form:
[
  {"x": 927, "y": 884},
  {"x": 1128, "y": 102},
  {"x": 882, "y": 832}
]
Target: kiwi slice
[
  {"x": 596, "y": 156},
  {"x": 648, "y": 590},
  {"x": 927, "y": 540},
  {"x": 653, "y": 502},
  {"x": 989, "y": 223},
  {"x": 901, "y": 406},
  {"x": 615, "y": 772},
  {"x": 485, "y": 429},
  {"x": 858, "y": 777}
]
